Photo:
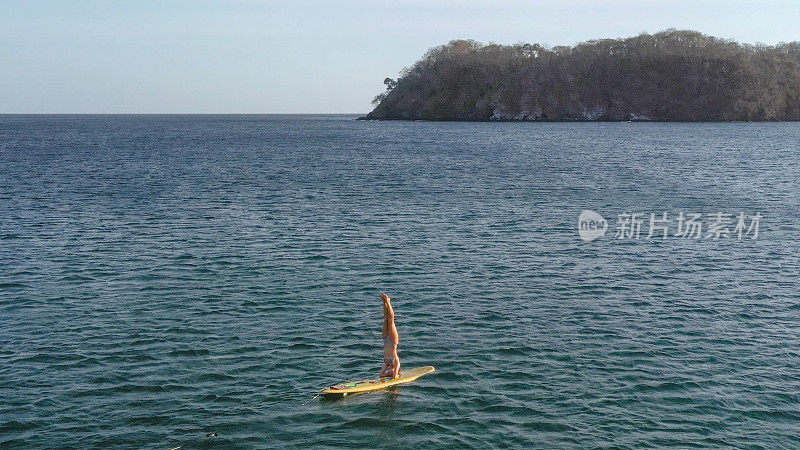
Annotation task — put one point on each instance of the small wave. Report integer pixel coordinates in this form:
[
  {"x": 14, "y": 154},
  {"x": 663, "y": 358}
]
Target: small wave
[
  {"x": 316, "y": 258},
  {"x": 130, "y": 388},
  {"x": 215, "y": 377},
  {"x": 515, "y": 351},
  {"x": 148, "y": 420},
  {"x": 771, "y": 415},
  {"x": 190, "y": 352},
  {"x": 16, "y": 426},
  {"x": 555, "y": 427}
]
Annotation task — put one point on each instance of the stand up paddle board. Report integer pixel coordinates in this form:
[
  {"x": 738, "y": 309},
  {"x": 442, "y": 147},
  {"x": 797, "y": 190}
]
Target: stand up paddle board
[{"x": 353, "y": 387}]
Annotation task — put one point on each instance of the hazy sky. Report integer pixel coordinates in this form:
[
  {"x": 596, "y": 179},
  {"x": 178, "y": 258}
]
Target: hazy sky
[{"x": 275, "y": 56}]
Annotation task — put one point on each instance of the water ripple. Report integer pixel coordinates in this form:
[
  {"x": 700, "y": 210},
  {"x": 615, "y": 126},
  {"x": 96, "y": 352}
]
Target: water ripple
[{"x": 163, "y": 279}]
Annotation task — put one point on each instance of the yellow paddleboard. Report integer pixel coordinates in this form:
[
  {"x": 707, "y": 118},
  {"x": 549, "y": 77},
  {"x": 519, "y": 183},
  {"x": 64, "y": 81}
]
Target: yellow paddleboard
[{"x": 352, "y": 387}]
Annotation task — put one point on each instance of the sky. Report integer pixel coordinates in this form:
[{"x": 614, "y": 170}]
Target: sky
[{"x": 300, "y": 56}]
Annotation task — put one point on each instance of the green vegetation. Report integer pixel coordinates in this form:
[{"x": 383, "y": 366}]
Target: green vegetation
[{"x": 669, "y": 76}]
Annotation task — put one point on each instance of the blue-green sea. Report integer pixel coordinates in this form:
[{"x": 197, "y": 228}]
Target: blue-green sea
[{"x": 165, "y": 278}]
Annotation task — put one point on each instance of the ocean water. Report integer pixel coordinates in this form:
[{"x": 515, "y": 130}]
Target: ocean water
[{"x": 167, "y": 277}]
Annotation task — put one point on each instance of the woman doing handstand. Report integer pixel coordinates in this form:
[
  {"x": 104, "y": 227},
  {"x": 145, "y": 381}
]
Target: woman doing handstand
[{"x": 391, "y": 362}]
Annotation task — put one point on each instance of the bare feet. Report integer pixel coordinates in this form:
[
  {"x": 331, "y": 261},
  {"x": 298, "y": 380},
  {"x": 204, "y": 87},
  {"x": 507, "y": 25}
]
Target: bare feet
[{"x": 385, "y": 298}]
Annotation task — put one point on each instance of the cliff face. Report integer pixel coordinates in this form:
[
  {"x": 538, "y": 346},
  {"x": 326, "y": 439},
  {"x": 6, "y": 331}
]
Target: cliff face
[{"x": 668, "y": 76}]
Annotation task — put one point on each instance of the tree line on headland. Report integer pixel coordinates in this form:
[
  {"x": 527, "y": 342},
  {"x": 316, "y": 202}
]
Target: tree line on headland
[{"x": 674, "y": 75}]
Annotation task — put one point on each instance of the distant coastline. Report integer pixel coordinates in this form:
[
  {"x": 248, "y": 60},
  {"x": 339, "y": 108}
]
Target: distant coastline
[{"x": 671, "y": 76}]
